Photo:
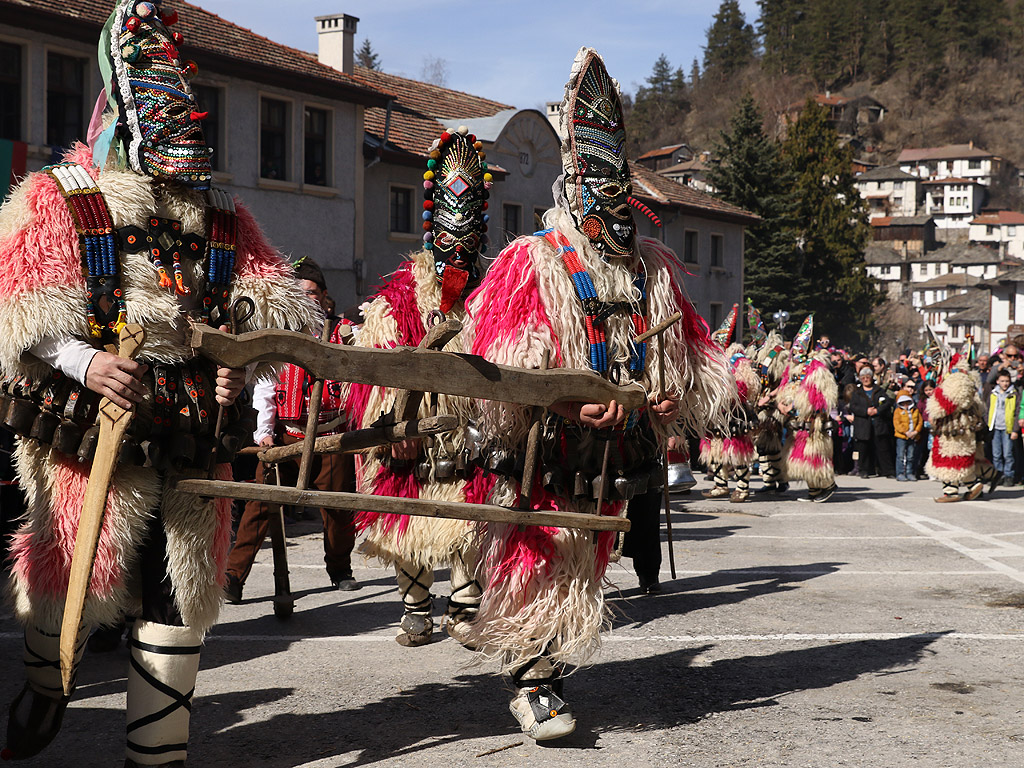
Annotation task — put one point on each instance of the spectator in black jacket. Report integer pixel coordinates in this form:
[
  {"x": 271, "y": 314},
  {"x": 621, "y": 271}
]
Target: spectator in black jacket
[{"x": 872, "y": 406}]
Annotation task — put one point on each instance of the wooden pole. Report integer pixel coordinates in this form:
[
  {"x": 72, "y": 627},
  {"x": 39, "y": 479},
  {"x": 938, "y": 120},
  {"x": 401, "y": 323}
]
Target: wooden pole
[
  {"x": 664, "y": 457},
  {"x": 533, "y": 446},
  {"x": 312, "y": 422}
]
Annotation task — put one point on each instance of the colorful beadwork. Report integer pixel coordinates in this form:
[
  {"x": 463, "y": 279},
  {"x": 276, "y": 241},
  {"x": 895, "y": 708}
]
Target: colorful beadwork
[
  {"x": 154, "y": 98},
  {"x": 597, "y": 180},
  {"x": 454, "y": 223},
  {"x": 597, "y": 311},
  {"x": 105, "y": 306}
]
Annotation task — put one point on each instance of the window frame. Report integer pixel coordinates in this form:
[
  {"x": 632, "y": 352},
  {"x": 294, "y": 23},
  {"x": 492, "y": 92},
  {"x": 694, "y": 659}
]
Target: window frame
[
  {"x": 720, "y": 262},
  {"x": 328, "y": 143},
  {"x": 289, "y": 160},
  {"x": 396, "y": 233},
  {"x": 49, "y": 51},
  {"x": 506, "y": 206},
  {"x": 20, "y": 88},
  {"x": 696, "y": 246},
  {"x": 219, "y": 113}
]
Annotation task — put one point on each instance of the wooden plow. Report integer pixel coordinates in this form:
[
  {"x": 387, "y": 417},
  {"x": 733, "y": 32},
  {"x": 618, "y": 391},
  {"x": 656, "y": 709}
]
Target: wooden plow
[{"x": 413, "y": 371}]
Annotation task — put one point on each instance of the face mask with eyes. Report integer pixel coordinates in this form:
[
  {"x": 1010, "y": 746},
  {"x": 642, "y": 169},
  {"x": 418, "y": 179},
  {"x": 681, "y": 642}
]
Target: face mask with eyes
[
  {"x": 160, "y": 125},
  {"x": 597, "y": 181},
  {"x": 456, "y": 186}
]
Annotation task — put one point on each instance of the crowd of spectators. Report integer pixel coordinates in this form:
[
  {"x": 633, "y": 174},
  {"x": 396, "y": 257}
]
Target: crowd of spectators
[{"x": 882, "y": 426}]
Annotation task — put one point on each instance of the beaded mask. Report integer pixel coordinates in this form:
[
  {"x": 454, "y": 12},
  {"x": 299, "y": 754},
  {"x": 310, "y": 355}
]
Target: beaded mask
[
  {"x": 156, "y": 105},
  {"x": 597, "y": 182},
  {"x": 454, "y": 212}
]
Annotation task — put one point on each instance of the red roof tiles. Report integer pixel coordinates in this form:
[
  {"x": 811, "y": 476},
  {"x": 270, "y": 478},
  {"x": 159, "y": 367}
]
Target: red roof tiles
[
  {"x": 653, "y": 188},
  {"x": 996, "y": 218},
  {"x": 661, "y": 152},
  {"x": 948, "y": 152},
  {"x": 214, "y": 42}
]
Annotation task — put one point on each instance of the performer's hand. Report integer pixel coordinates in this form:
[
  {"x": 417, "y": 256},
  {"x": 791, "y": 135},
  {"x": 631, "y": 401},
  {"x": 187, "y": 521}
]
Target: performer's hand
[
  {"x": 407, "y": 450},
  {"x": 600, "y": 416},
  {"x": 230, "y": 383},
  {"x": 267, "y": 441},
  {"x": 667, "y": 411},
  {"x": 116, "y": 378},
  {"x": 763, "y": 400}
]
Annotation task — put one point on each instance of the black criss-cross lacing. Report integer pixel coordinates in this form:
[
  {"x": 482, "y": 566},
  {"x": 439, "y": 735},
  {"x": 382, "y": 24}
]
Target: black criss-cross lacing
[
  {"x": 419, "y": 606},
  {"x": 179, "y": 700},
  {"x": 459, "y": 609},
  {"x": 41, "y": 662}
]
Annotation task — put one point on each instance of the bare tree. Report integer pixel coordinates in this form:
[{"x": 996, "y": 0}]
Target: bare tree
[{"x": 434, "y": 70}]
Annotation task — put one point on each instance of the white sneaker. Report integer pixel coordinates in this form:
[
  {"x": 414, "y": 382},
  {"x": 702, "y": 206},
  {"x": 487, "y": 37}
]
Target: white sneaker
[{"x": 542, "y": 714}]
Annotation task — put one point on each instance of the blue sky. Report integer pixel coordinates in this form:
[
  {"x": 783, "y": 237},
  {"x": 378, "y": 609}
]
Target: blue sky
[{"x": 515, "y": 51}]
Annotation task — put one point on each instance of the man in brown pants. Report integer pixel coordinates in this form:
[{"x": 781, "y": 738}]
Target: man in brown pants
[{"x": 283, "y": 408}]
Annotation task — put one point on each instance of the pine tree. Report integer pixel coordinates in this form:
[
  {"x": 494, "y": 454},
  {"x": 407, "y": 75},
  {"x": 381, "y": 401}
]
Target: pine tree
[
  {"x": 780, "y": 28},
  {"x": 730, "y": 42},
  {"x": 659, "y": 105},
  {"x": 832, "y": 227},
  {"x": 366, "y": 56},
  {"x": 749, "y": 170}
]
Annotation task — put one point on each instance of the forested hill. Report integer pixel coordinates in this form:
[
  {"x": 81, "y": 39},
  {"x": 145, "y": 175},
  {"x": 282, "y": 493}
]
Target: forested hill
[{"x": 947, "y": 71}]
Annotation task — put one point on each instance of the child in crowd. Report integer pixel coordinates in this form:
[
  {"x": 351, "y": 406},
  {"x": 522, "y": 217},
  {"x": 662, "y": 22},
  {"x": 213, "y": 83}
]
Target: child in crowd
[
  {"x": 907, "y": 422},
  {"x": 1002, "y": 424}
]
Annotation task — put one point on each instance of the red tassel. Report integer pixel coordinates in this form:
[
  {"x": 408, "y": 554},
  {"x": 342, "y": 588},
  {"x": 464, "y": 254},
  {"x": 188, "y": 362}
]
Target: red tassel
[{"x": 197, "y": 116}]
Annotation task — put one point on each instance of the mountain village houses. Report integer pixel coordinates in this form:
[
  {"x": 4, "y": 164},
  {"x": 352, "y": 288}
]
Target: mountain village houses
[{"x": 936, "y": 244}]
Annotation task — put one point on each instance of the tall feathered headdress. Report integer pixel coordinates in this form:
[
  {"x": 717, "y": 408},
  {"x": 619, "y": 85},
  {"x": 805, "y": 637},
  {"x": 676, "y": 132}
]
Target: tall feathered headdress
[
  {"x": 756, "y": 325},
  {"x": 802, "y": 340}
]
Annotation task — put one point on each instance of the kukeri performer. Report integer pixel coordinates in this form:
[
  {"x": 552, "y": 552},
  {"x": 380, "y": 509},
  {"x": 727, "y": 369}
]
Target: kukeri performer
[
  {"x": 733, "y": 450},
  {"x": 579, "y": 293},
  {"x": 770, "y": 358},
  {"x": 134, "y": 235},
  {"x": 433, "y": 280},
  {"x": 808, "y": 401},
  {"x": 956, "y": 413}
]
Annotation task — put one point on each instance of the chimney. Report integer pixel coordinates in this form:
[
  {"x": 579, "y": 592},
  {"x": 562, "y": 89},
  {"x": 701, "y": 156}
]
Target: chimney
[{"x": 336, "y": 35}]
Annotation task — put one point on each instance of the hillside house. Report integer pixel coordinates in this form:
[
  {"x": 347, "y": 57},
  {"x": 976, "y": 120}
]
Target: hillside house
[
  {"x": 907, "y": 234},
  {"x": 665, "y": 157},
  {"x": 890, "y": 191},
  {"x": 888, "y": 267},
  {"x": 1006, "y": 315},
  {"x": 692, "y": 173},
  {"x": 963, "y": 161},
  {"x": 1003, "y": 230}
]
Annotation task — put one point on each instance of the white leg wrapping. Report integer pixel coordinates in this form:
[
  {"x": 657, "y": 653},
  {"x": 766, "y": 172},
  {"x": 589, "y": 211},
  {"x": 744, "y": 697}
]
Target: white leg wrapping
[
  {"x": 161, "y": 683},
  {"x": 464, "y": 601},
  {"x": 41, "y": 655},
  {"x": 414, "y": 583}
]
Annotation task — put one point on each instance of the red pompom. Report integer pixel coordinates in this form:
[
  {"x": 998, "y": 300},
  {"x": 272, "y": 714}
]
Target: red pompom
[
  {"x": 190, "y": 69},
  {"x": 472, "y": 138},
  {"x": 132, "y": 24},
  {"x": 484, "y": 206},
  {"x": 428, "y": 205},
  {"x": 445, "y": 137},
  {"x": 170, "y": 18},
  {"x": 427, "y": 226},
  {"x": 178, "y": 38}
]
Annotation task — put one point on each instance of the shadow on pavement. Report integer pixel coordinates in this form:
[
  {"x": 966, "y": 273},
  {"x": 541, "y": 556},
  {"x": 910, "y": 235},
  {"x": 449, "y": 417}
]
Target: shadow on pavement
[
  {"x": 689, "y": 594},
  {"x": 652, "y": 693}
]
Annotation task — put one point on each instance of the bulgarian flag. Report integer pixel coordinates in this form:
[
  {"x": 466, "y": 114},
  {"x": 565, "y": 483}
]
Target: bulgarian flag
[{"x": 12, "y": 165}]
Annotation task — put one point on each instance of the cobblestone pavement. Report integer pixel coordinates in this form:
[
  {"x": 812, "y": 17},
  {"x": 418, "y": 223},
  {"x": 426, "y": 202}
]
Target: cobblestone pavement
[{"x": 877, "y": 629}]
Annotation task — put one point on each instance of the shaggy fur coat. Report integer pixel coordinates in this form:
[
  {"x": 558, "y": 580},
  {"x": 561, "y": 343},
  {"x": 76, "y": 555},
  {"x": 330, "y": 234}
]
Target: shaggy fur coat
[
  {"x": 955, "y": 412},
  {"x": 543, "y": 586},
  {"x": 42, "y": 293},
  {"x": 808, "y": 451},
  {"x": 397, "y": 316}
]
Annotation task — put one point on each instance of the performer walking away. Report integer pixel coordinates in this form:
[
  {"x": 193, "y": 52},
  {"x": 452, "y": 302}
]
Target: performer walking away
[
  {"x": 432, "y": 282},
  {"x": 771, "y": 359},
  {"x": 578, "y": 293},
  {"x": 956, "y": 414},
  {"x": 282, "y": 408},
  {"x": 808, "y": 401},
  {"x": 86, "y": 246}
]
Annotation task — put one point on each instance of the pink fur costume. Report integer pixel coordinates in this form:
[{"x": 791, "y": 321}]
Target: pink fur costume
[
  {"x": 43, "y": 294},
  {"x": 808, "y": 450},
  {"x": 543, "y": 586}
]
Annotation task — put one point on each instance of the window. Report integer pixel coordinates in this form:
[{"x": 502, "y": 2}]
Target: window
[
  {"x": 65, "y": 78},
  {"x": 897, "y": 185},
  {"x": 898, "y": 202},
  {"x": 208, "y": 99},
  {"x": 886, "y": 269},
  {"x": 401, "y": 209},
  {"x": 714, "y": 314},
  {"x": 316, "y": 125},
  {"x": 974, "y": 165},
  {"x": 717, "y": 248},
  {"x": 1011, "y": 230},
  {"x": 690, "y": 246},
  {"x": 10, "y": 91},
  {"x": 273, "y": 139},
  {"x": 989, "y": 229},
  {"x": 511, "y": 218}
]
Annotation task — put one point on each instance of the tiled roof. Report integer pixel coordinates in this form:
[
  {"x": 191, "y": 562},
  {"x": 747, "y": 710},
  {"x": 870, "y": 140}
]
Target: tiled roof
[
  {"x": 660, "y": 152},
  {"x": 949, "y": 280},
  {"x": 969, "y": 299},
  {"x": 962, "y": 253},
  {"x": 951, "y": 180},
  {"x": 881, "y": 255},
  {"x": 978, "y": 314},
  {"x": 214, "y": 42},
  {"x": 900, "y": 221},
  {"x": 995, "y": 218},
  {"x": 653, "y": 188},
  {"x": 696, "y": 164},
  {"x": 885, "y": 173},
  {"x": 1013, "y": 275},
  {"x": 948, "y": 152},
  {"x": 421, "y": 110}
]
